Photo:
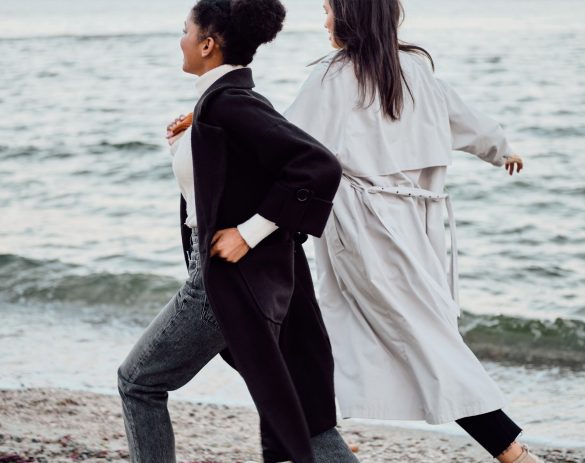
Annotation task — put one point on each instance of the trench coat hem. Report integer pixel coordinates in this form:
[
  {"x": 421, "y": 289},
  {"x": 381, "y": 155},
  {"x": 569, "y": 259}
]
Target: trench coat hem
[{"x": 448, "y": 416}]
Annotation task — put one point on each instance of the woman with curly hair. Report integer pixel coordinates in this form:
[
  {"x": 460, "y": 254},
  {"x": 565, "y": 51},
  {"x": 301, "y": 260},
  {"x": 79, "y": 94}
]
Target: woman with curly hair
[
  {"x": 252, "y": 185},
  {"x": 389, "y": 303}
]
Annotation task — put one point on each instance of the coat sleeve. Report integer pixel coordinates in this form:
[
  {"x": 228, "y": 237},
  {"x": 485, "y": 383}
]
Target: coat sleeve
[
  {"x": 306, "y": 174},
  {"x": 474, "y": 132}
]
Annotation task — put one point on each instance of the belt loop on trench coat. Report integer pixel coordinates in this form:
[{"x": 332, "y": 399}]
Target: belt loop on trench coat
[{"x": 420, "y": 193}]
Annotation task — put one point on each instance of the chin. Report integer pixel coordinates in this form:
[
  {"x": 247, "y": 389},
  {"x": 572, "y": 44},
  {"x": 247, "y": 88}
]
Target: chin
[{"x": 188, "y": 70}]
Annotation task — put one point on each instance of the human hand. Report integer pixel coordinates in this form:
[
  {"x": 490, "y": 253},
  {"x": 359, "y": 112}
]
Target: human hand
[
  {"x": 176, "y": 129},
  {"x": 514, "y": 161},
  {"x": 229, "y": 245}
]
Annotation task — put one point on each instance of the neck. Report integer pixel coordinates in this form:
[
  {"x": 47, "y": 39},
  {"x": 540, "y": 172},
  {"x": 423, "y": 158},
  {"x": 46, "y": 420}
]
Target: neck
[{"x": 209, "y": 65}]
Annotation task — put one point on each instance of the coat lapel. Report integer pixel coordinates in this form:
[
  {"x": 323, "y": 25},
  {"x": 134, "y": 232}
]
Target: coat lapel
[
  {"x": 209, "y": 169},
  {"x": 209, "y": 151}
]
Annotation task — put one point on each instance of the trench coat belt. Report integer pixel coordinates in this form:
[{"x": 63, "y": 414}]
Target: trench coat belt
[{"x": 420, "y": 193}]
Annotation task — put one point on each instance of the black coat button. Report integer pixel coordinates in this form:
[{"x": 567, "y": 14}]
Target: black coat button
[{"x": 303, "y": 194}]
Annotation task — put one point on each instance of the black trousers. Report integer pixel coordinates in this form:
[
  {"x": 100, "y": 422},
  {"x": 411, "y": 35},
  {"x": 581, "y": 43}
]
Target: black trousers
[{"x": 494, "y": 431}]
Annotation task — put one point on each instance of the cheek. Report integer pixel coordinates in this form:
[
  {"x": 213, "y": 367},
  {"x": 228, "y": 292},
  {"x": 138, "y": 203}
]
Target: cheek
[
  {"x": 188, "y": 45},
  {"x": 329, "y": 22}
]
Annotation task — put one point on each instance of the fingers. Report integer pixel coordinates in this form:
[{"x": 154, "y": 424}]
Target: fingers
[
  {"x": 518, "y": 165},
  {"x": 217, "y": 236},
  {"x": 237, "y": 255},
  {"x": 514, "y": 162},
  {"x": 224, "y": 246},
  {"x": 175, "y": 122},
  {"x": 216, "y": 242}
]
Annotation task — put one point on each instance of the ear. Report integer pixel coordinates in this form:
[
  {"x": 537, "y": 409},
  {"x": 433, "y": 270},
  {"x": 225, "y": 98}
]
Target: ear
[{"x": 208, "y": 46}]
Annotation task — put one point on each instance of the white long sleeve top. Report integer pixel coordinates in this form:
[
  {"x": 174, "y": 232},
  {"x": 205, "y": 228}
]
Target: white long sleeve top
[{"x": 254, "y": 229}]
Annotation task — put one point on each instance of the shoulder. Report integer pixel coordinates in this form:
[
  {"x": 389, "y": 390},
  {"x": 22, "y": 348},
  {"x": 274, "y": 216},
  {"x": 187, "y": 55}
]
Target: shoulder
[
  {"x": 416, "y": 63},
  {"x": 241, "y": 107},
  {"x": 329, "y": 65},
  {"x": 419, "y": 73},
  {"x": 327, "y": 75},
  {"x": 233, "y": 95}
]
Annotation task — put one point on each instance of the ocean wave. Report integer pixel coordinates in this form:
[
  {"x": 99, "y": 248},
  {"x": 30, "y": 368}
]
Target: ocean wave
[
  {"x": 8, "y": 152},
  {"x": 555, "y": 132},
  {"x": 559, "y": 342},
  {"x": 495, "y": 337},
  {"x": 131, "y": 145},
  {"x": 24, "y": 280}
]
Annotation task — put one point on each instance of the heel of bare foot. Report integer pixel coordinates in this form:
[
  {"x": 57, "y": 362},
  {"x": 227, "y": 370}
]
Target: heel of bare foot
[
  {"x": 527, "y": 457},
  {"x": 518, "y": 453}
]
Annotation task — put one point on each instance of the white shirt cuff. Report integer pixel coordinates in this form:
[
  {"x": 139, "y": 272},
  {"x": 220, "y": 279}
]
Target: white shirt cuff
[{"x": 256, "y": 229}]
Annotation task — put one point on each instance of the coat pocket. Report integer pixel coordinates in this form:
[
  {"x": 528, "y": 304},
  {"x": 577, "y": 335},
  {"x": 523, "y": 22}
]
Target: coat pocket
[
  {"x": 268, "y": 271},
  {"x": 332, "y": 234}
]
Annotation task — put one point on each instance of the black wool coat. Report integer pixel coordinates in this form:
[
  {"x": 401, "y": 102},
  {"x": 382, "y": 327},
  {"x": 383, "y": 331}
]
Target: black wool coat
[{"x": 248, "y": 159}]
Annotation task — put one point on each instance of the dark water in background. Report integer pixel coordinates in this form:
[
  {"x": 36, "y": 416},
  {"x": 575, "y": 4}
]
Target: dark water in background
[{"x": 89, "y": 244}]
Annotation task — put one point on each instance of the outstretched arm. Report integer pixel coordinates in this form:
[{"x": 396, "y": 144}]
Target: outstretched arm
[{"x": 478, "y": 134}]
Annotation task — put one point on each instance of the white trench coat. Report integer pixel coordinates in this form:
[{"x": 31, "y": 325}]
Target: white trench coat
[{"x": 388, "y": 300}]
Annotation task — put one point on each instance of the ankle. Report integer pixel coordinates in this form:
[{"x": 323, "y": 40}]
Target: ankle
[{"x": 511, "y": 454}]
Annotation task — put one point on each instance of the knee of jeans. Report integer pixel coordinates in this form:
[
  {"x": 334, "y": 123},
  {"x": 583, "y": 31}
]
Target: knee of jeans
[
  {"x": 126, "y": 383},
  {"x": 123, "y": 383}
]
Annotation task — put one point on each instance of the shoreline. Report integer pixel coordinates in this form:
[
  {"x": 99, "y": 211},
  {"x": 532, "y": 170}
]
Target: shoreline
[{"x": 56, "y": 425}]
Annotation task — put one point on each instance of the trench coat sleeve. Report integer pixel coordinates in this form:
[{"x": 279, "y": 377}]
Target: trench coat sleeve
[
  {"x": 474, "y": 132},
  {"x": 306, "y": 174}
]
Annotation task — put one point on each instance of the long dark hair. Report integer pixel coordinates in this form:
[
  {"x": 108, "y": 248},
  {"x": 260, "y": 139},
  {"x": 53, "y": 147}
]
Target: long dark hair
[{"x": 368, "y": 32}]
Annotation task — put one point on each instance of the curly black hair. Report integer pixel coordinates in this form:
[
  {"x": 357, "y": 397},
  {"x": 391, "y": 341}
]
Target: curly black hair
[{"x": 239, "y": 26}]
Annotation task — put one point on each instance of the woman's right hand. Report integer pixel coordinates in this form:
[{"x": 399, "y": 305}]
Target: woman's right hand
[
  {"x": 514, "y": 161},
  {"x": 171, "y": 136}
]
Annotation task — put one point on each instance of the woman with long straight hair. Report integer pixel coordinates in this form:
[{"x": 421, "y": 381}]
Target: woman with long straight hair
[{"x": 389, "y": 302}]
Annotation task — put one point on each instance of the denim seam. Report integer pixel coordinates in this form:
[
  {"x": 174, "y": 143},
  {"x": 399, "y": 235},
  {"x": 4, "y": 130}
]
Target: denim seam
[
  {"x": 132, "y": 430},
  {"x": 207, "y": 314},
  {"x": 155, "y": 342}
]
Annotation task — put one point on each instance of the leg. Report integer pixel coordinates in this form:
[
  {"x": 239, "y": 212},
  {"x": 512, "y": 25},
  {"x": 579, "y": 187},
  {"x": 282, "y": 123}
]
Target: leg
[
  {"x": 329, "y": 446},
  {"x": 495, "y": 432},
  {"x": 305, "y": 346},
  {"x": 178, "y": 343}
]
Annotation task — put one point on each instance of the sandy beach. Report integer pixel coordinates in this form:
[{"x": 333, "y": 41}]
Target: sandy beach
[{"x": 54, "y": 426}]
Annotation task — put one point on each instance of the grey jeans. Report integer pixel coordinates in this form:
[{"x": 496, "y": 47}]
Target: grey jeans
[{"x": 177, "y": 344}]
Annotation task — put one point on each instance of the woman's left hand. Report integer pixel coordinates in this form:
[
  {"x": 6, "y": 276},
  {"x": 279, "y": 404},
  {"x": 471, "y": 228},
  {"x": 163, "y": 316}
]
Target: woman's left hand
[
  {"x": 514, "y": 161},
  {"x": 229, "y": 245}
]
